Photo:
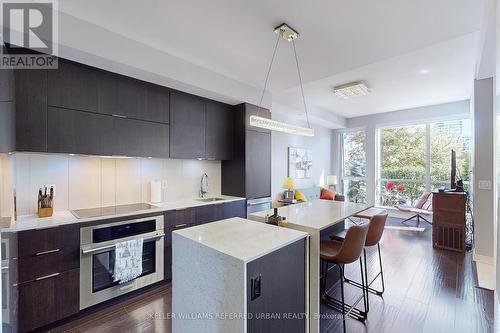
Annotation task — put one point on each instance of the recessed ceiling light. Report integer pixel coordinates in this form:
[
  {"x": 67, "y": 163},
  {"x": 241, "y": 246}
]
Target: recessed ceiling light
[
  {"x": 424, "y": 71},
  {"x": 352, "y": 89}
]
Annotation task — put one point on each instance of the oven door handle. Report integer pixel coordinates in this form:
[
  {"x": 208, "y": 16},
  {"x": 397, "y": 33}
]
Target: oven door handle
[{"x": 107, "y": 247}]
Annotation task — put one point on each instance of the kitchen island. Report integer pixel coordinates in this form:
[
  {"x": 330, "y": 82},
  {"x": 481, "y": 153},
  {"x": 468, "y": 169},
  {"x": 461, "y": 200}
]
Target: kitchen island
[
  {"x": 237, "y": 275},
  {"x": 315, "y": 217}
]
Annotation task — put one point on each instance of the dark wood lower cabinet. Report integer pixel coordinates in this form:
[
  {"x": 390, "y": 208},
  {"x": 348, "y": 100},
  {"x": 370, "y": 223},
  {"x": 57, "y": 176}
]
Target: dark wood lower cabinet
[
  {"x": 189, "y": 217},
  {"x": 282, "y": 291},
  {"x": 48, "y": 299}
]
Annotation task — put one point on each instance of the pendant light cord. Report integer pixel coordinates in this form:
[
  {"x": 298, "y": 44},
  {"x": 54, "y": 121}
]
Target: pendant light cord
[
  {"x": 269, "y": 72},
  {"x": 300, "y": 80}
]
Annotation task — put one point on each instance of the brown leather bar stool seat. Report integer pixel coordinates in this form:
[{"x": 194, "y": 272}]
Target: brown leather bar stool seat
[
  {"x": 375, "y": 231},
  {"x": 340, "y": 253}
]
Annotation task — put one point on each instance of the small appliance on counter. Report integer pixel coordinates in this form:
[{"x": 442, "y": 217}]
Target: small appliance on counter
[{"x": 45, "y": 202}]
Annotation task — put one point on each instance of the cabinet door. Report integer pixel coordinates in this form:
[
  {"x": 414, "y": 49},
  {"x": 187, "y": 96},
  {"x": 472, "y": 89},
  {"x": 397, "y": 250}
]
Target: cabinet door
[
  {"x": 121, "y": 95},
  {"x": 73, "y": 86},
  {"x": 175, "y": 220},
  {"x": 48, "y": 299},
  {"x": 209, "y": 213},
  {"x": 6, "y": 85},
  {"x": 139, "y": 138},
  {"x": 78, "y": 132},
  {"x": 219, "y": 131},
  {"x": 282, "y": 290},
  {"x": 187, "y": 126},
  {"x": 258, "y": 164},
  {"x": 235, "y": 209},
  {"x": 7, "y": 127},
  {"x": 157, "y": 104},
  {"x": 31, "y": 110}
]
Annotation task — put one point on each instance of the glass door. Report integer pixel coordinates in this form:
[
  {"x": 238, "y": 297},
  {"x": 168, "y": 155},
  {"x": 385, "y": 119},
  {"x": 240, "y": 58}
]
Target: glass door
[{"x": 103, "y": 266}]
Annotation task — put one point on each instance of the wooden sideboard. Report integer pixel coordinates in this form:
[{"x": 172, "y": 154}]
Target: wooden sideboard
[{"x": 449, "y": 220}]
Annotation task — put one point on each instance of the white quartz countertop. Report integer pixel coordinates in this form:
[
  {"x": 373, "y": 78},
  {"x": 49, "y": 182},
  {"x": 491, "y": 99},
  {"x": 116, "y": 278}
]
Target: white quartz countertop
[
  {"x": 316, "y": 214},
  {"x": 240, "y": 238},
  {"x": 59, "y": 218}
]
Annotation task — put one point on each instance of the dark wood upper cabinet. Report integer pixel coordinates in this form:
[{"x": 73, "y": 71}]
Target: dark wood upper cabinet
[
  {"x": 121, "y": 95},
  {"x": 157, "y": 104},
  {"x": 248, "y": 174},
  {"x": 6, "y": 85},
  {"x": 187, "y": 121},
  {"x": 7, "y": 112},
  {"x": 31, "y": 109},
  {"x": 73, "y": 86},
  {"x": 78, "y": 132},
  {"x": 139, "y": 138},
  {"x": 219, "y": 131}
]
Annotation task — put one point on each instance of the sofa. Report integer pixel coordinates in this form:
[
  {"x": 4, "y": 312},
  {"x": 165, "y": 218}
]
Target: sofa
[{"x": 313, "y": 193}]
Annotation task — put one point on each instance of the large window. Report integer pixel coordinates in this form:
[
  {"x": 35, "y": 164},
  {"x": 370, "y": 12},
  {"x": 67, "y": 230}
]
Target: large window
[
  {"x": 402, "y": 164},
  {"x": 354, "y": 166},
  {"x": 415, "y": 159}
]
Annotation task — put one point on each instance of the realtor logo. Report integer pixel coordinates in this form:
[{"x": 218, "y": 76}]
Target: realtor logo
[{"x": 29, "y": 33}]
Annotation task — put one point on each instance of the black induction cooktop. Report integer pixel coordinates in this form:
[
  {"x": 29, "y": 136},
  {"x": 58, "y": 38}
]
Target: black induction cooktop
[{"x": 110, "y": 210}]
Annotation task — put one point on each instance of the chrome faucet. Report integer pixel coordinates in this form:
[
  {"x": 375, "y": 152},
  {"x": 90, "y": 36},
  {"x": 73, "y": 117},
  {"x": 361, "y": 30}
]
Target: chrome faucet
[{"x": 204, "y": 185}]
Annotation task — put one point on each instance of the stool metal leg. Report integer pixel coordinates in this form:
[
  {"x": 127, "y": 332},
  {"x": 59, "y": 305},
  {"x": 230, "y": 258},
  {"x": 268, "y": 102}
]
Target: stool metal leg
[
  {"x": 342, "y": 297},
  {"x": 381, "y": 274},
  {"x": 341, "y": 306}
]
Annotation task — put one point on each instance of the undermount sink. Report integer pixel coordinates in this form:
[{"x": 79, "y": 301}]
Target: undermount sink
[{"x": 209, "y": 199}]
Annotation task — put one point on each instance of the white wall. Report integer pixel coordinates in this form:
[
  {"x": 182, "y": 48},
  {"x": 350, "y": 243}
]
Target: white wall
[
  {"x": 320, "y": 144},
  {"x": 484, "y": 168},
  {"x": 370, "y": 123},
  {"x": 86, "y": 182}
]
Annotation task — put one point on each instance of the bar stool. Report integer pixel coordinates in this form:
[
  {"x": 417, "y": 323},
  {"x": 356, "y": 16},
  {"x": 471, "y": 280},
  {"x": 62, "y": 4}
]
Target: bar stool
[
  {"x": 375, "y": 231},
  {"x": 340, "y": 253}
]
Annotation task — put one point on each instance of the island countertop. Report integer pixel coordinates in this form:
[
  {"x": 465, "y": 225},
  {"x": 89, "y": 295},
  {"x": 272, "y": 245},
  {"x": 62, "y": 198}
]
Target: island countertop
[
  {"x": 240, "y": 238},
  {"x": 315, "y": 214}
]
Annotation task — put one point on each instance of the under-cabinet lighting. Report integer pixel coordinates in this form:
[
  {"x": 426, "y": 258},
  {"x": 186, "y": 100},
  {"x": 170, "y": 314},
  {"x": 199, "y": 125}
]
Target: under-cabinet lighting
[{"x": 115, "y": 156}]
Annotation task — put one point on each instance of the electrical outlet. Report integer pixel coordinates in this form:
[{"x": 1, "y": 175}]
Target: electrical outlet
[
  {"x": 163, "y": 184},
  {"x": 484, "y": 185}
]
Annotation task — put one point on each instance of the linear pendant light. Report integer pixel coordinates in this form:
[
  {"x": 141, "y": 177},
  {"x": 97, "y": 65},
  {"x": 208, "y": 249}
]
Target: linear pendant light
[
  {"x": 280, "y": 126},
  {"x": 290, "y": 35}
]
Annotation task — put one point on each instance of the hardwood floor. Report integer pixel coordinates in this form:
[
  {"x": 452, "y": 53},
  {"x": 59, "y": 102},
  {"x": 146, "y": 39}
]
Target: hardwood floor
[{"x": 427, "y": 290}]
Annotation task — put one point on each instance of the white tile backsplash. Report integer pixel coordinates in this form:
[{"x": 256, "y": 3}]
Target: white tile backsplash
[{"x": 85, "y": 181}]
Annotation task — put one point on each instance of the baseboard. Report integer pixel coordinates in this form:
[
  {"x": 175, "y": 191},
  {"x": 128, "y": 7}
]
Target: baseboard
[{"x": 482, "y": 258}]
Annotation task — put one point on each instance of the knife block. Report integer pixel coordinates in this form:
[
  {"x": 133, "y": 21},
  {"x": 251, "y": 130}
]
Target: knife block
[{"x": 45, "y": 212}]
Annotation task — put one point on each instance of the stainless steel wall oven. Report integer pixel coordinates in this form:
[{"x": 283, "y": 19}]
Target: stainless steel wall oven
[{"x": 97, "y": 258}]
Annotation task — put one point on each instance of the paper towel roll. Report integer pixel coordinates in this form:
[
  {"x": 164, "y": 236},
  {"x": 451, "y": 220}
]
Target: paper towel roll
[{"x": 156, "y": 191}]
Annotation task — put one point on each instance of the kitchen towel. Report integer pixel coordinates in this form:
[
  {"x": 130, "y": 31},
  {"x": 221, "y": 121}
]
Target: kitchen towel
[{"x": 128, "y": 260}]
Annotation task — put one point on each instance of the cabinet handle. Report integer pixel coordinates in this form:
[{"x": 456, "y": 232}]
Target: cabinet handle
[
  {"x": 180, "y": 225},
  {"x": 47, "y": 252},
  {"x": 47, "y": 276},
  {"x": 118, "y": 115}
]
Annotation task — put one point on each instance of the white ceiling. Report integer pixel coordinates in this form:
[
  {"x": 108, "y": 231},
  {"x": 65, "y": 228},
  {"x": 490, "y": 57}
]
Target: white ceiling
[{"x": 384, "y": 42}]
